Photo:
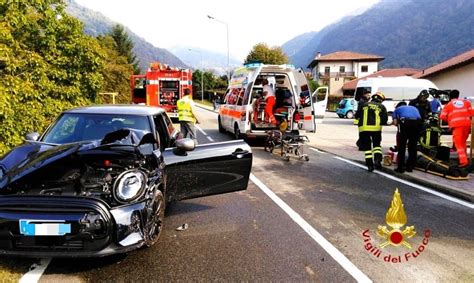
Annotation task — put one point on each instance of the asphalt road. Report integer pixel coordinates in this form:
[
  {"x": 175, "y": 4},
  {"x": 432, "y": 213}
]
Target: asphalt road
[{"x": 252, "y": 236}]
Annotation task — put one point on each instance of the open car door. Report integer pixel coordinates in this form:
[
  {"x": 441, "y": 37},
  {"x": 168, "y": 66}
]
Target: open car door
[
  {"x": 209, "y": 169},
  {"x": 306, "y": 108},
  {"x": 320, "y": 106}
]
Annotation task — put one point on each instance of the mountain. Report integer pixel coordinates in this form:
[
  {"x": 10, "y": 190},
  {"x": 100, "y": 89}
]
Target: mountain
[
  {"x": 303, "y": 56},
  {"x": 408, "y": 33},
  {"x": 213, "y": 61},
  {"x": 96, "y": 24},
  {"x": 295, "y": 44}
]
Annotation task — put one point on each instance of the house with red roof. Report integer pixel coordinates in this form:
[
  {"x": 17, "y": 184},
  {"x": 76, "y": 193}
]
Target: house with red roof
[
  {"x": 454, "y": 73},
  {"x": 335, "y": 69}
]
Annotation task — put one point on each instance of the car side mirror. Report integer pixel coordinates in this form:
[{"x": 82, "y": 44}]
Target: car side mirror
[
  {"x": 184, "y": 145},
  {"x": 34, "y": 136}
]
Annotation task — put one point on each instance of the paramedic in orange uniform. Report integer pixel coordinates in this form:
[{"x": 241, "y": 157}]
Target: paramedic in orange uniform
[
  {"x": 458, "y": 112},
  {"x": 270, "y": 99}
]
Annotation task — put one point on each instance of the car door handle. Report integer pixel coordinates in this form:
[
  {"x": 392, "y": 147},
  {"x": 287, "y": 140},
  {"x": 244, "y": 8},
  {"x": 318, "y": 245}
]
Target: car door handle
[{"x": 239, "y": 153}]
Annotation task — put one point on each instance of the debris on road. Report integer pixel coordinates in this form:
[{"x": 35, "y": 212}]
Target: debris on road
[{"x": 182, "y": 227}]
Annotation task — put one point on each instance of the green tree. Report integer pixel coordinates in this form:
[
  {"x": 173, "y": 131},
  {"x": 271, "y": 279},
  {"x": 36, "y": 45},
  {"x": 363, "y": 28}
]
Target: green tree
[
  {"x": 125, "y": 46},
  {"x": 267, "y": 55},
  {"x": 212, "y": 83},
  {"x": 47, "y": 65},
  {"x": 116, "y": 72}
]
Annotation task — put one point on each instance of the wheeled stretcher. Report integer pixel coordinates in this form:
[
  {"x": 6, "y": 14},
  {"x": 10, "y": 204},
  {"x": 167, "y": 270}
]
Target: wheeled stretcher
[{"x": 290, "y": 144}]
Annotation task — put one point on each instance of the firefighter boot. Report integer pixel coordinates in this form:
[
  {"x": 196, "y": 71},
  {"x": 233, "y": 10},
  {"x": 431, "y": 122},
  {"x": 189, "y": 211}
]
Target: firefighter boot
[
  {"x": 378, "y": 161},
  {"x": 377, "y": 152},
  {"x": 368, "y": 161}
]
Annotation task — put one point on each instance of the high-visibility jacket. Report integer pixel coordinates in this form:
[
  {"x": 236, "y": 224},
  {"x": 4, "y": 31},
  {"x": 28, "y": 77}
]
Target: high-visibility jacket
[
  {"x": 185, "y": 112},
  {"x": 457, "y": 112},
  {"x": 372, "y": 116}
]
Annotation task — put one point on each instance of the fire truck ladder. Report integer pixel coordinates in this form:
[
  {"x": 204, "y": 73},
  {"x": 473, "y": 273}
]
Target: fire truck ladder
[{"x": 185, "y": 76}]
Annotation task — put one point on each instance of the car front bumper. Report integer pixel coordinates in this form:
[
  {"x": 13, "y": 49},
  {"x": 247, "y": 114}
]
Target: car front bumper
[{"x": 95, "y": 228}]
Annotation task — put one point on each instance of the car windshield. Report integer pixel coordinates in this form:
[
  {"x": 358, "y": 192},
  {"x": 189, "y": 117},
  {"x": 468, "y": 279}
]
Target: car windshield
[{"x": 74, "y": 127}]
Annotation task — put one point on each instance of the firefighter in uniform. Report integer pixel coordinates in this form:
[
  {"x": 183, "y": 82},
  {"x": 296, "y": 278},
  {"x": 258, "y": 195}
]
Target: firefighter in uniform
[
  {"x": 186, "y": 116},
  {"x": 371, "y": 117},
  {"x": 458, "y": 112}
]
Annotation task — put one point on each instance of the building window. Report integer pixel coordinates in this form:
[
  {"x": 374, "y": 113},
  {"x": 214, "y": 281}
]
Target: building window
[
  {"x": 342, "y": 69},
  {"x": 364, "y": 68},
  {"x": 327, "y": 70}
]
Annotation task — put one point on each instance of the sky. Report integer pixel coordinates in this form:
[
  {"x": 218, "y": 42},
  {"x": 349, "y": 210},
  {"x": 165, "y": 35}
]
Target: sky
[{"x": 172, "y": 23}]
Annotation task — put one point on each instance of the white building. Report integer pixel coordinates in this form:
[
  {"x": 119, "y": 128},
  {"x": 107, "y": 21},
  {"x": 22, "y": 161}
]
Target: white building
[
  {"x": 335, "y": 69},
  {"x": 455, "y": 73}
]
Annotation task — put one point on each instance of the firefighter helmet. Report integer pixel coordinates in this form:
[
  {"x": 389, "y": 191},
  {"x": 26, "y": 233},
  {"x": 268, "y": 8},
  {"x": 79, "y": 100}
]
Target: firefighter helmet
[{"x": 378, "y": 96}]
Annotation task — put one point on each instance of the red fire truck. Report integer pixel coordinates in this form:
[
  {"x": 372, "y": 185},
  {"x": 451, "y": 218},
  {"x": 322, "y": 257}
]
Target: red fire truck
[{"x": 161, "y": 86}]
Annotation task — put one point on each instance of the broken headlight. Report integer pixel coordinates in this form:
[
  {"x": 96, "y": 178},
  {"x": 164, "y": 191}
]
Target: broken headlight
[{"x": 129, "y": 186}]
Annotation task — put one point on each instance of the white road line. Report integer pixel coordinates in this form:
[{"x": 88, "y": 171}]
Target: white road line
[
  {"x": 36, "y": 271},
  {"x": 325, "y": 244},
  {"x": 317, "y": 150},
  {"x": 199, "y": 128},
  {"x": 425, "y": 189},
  {"x": 204, "y": 133}
]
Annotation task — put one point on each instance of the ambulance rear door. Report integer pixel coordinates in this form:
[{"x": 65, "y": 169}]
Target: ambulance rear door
[
  {"x": 320, "y": 106},
  {"x": 306, "y": 108}
]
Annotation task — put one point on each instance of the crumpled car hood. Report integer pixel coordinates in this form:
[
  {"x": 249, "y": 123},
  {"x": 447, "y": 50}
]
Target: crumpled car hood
[{"x": 36, "y": 156}]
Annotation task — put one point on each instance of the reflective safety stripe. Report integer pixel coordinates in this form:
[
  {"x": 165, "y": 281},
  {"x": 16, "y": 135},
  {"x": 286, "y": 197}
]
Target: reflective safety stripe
[
  {"x": 368, "y": 154},
  {"x": 366, "y": 115},
  {"x": 377, "y": 117},
  {"x": 377, "y": 149},
  {"x": 370, "y": 128},
  {"x": 426, "y": 144}
]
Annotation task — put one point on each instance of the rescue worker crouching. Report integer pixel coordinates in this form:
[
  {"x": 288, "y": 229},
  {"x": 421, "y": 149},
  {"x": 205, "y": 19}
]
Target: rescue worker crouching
[
  {"x": 186, "y": 116},
  {"x": 372, "y": 116}
]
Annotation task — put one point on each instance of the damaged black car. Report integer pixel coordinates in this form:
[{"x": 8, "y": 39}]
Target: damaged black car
[{"x": 98, "y": 180}]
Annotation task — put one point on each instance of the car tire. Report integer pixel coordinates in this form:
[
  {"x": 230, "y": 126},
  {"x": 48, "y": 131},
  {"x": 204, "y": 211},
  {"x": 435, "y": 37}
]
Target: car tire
[
  {"x": 340, "y": 115},
  {"x": 349, "y": 115},
  {"x": 154, "y": 225},
  {"x": 219, "y": 124},
  {"x": 237, "y": 134}
]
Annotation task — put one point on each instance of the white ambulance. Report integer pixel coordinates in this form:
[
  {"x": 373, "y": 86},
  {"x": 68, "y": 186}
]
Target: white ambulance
[
  {"x": 395, "y": 89},
  {"x": 242, "y": 112}
]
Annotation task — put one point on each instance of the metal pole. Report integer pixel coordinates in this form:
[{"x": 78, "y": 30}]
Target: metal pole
[
  {"x": 228, "y": 56},
  {"x": 202, "y": 79},
  {"x": 228, "y": 69}
]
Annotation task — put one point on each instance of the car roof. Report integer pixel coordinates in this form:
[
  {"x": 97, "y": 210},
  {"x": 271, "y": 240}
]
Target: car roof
[{"x": 140, "y": 110}]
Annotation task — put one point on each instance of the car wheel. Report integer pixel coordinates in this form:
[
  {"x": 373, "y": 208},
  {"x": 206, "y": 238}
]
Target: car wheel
[
  {"x": 340, "y": 115},
  {"x": 221, "y": 128},
  {"x": 155, "y": 219},
  {"x": 269, "y": 146},
  {"x": 349, "y": 115},
  {"x": 237, "y": 134}
]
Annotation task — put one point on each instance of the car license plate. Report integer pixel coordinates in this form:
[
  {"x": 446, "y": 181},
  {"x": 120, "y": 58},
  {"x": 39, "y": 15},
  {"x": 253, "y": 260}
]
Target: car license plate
[{"x": 44, "y": 227}]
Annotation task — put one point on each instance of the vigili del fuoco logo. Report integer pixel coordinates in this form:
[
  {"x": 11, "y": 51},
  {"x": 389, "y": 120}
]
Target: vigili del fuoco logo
[{"x": 396, "y": 235}]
